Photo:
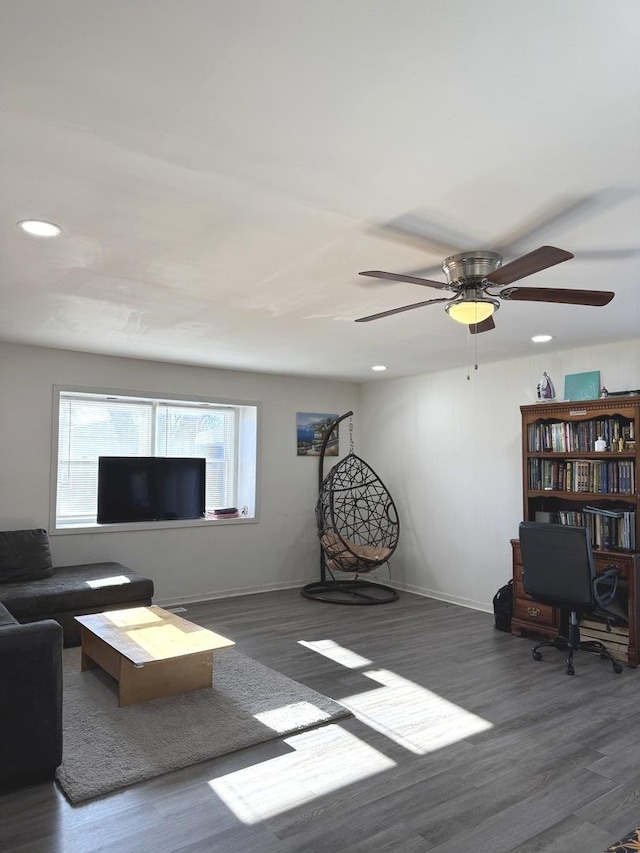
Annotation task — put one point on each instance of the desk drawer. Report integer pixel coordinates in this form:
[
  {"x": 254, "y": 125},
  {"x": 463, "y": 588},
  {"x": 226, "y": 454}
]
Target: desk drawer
[
  {"x": 532, "y": 611},
  {"x": 624, "y": 565}
]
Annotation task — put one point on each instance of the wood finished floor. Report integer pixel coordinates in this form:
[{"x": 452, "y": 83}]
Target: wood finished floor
[{"x": 555, "y": 768}]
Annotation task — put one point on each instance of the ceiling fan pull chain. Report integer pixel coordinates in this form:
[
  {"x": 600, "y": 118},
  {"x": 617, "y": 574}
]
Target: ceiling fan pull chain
[
  {"x": 476, "y": 341},
  {"x": 475, "y": 366}
]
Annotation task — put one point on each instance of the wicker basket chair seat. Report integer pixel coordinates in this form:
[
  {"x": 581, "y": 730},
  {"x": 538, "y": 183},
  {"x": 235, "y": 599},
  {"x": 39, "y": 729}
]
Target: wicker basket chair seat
[{"x": 356, "y": 518}]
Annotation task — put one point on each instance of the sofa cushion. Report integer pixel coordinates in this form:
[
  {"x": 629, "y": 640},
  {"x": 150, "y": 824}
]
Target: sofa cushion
[
  {"x": 24, "y": 555},
  {"x": 75, "y": 588},
  {"x": 5, "y": 617}
]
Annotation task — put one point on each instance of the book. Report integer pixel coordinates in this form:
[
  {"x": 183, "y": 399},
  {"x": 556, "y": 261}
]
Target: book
[{"x": 610, "y": 513}]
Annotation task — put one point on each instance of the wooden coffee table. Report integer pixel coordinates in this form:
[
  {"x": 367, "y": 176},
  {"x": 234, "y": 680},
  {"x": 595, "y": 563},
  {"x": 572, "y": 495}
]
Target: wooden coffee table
[{"x": 149, "y": 651}]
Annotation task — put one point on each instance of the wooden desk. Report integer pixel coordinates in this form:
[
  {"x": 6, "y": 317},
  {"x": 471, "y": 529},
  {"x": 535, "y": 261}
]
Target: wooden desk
[
  {"x": 532, "y": 617},
  {"x": 149, "y": 651}
]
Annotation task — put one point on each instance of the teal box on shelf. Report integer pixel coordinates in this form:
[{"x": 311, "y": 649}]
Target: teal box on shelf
[{"x": 582, "y": 386}]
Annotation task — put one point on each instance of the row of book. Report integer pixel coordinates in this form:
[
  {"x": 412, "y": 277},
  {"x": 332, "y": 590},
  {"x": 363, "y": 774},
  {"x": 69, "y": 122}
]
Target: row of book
[
  {"x": 580, "y": 437},
  {"x": 610, "y": 529},
  {"x": 613, "y": 476}
]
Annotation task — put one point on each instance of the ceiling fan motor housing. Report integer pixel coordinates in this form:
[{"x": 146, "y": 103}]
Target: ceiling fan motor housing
[{"x": 471, "y": 265}]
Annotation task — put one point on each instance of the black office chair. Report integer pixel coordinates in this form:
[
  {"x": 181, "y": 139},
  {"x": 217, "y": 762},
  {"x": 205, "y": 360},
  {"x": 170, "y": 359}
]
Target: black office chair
[{"x": 558, "y": 570}]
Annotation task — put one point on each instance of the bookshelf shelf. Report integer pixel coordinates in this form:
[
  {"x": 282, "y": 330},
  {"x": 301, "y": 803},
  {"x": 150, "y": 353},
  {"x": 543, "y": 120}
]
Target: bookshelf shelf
[
  {"x": 565, "y": 481},
  {"x": 575, "y": 454},
  {"x": 581, "y": 496}
]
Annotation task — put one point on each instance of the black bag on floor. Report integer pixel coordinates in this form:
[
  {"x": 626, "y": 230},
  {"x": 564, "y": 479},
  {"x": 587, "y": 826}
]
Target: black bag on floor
[{"x": 503, "y": 607}]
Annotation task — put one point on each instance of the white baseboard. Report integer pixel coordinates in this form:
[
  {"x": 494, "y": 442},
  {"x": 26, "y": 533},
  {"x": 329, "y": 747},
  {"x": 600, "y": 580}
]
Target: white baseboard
[
  {"x": 443, "y": 596},
  {"x": 227, "y": 593},
  {"x": 402, "y": 587}
]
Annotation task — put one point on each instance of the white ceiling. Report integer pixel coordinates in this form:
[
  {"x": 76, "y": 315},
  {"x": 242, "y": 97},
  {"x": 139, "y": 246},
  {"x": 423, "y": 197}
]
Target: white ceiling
[{"x": 223, "y": 170}]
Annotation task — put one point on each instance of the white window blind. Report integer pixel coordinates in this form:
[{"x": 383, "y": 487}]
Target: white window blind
[
  {"x": 89, "y": 428},
  {"x": 94, "y": 425},
  {"x": 209, "y": 433}
]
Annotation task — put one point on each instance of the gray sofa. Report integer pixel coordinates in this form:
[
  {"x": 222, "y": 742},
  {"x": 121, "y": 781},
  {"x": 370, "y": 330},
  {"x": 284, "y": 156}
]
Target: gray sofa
[
  {"x": 31, "y": 589},
  {"x": 30, "y": 700},
  {"x": 38, "y": 604}
]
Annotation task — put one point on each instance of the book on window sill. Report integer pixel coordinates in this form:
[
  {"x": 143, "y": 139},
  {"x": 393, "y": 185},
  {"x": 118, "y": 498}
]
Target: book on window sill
[{"x": 227, "y": 512}]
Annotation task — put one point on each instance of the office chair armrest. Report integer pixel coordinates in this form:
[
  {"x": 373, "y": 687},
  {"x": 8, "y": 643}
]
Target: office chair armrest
[{"x": 609, "y": 578}]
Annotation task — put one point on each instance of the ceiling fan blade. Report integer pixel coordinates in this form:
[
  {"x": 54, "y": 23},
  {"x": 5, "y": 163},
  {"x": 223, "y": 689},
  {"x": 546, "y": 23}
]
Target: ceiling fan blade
[
  {"x": 606, "y": 254},
  {"x": 557, "y": 294},
  {"x": 411, "y": 279},
  {"x": 398, "y": 310},
  {"x": 539, "y": 259},
  {"x": 562, "y": 212},
  {"x": 485, "y": 326},
  {"x": 416, "y": 229}
]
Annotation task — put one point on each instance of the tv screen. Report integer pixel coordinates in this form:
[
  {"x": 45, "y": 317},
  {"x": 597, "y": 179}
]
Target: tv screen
[{"x": 150, "y": 488}]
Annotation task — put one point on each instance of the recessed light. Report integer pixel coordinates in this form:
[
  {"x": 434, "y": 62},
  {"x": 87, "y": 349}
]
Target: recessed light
[
  {"x": 40, "y": 228},
  {"x": 541, "y": 339},
  {"x": 378, "y": 367}
]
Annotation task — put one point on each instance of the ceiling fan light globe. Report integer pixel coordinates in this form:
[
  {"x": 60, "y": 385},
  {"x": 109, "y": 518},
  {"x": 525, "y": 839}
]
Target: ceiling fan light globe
[{"x": 470, "y": 311}]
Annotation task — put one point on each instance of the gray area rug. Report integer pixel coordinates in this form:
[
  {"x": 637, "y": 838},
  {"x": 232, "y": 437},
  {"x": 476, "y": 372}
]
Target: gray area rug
[{"x": 106, "y": 747}]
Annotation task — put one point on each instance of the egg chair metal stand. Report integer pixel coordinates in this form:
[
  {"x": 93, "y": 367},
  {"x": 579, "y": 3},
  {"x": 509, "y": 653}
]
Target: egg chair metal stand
[{"x": 358, "y": 527}]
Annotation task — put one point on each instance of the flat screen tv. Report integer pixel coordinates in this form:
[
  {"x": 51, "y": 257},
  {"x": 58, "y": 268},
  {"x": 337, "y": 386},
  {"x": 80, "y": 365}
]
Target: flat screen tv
[{"x": 150, "y": 488}]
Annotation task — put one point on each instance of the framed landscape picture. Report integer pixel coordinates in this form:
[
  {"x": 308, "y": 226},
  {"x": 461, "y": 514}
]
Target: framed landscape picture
[
  {"x": 311, "y": 429},
  {"x": 582, "y": 386}
]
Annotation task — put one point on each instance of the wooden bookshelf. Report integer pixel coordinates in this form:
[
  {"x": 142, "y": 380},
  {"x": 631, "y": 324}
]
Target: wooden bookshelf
[{"x": 567, "y": 482}]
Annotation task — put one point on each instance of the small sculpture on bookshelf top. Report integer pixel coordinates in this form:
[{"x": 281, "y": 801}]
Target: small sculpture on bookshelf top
[{"x": 545, "y": 391}]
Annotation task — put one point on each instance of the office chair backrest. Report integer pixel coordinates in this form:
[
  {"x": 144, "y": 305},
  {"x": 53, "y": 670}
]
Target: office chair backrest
[{"x": 557, "y": 563}]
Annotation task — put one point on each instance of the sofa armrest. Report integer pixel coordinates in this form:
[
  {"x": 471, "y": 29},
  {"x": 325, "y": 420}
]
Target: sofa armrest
[{"x": 30, "y": 702}]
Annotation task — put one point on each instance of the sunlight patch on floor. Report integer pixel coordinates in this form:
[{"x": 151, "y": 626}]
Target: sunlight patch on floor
[
  {"x": 334, "y": 651},
  {"x": 412, "y": 716},
  {"x": 321, "y": 761},
  {"x": 296, "y": 715}
]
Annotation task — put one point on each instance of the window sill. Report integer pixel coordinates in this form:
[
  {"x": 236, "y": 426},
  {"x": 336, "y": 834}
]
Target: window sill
[{"x": 94, "y": 527}]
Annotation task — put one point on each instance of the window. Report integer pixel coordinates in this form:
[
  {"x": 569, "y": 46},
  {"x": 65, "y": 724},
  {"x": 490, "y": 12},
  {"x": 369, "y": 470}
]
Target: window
[{"x": 90, "y": 425}]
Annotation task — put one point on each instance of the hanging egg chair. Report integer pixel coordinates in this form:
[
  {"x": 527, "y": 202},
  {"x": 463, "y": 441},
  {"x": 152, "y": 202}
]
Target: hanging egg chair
[{"x": 358, "y": 528}]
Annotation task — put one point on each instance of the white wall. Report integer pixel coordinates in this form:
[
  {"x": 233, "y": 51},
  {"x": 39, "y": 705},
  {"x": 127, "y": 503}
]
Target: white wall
[
  {"x": 449, "y": 451},
  {"x": 447, "y": 448},
  {"x": 185, "y": 563}
]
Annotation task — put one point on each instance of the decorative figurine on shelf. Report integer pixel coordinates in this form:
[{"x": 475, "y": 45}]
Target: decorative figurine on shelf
[
  {"x": 604, "y": 392},
  {"x": 600, "y": 444},
  {"x": 546, "y": 392}
]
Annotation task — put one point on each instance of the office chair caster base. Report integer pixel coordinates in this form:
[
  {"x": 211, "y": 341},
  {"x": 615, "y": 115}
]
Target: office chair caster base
[
  {"x": 563, "y": 644},
  {"x": 598, "y": 648},
  {"x": 558, "y": 643}
]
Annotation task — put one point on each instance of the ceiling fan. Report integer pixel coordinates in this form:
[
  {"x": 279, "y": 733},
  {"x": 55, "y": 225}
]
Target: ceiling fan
[{"x": 470, "y": 275}]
